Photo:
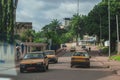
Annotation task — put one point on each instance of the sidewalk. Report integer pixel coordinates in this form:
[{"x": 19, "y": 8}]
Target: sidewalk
[
  {"x": 113, "y": 65},
  {"x": 8, "y": 68},
  {"x": 7, "y": 64}
]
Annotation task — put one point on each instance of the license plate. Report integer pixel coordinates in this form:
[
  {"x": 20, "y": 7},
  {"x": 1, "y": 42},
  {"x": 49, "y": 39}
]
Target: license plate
[
  {"x": 30, "y": 68},
  {"x": 82, "y": 60},
  {"x": 79, "y": 60}
]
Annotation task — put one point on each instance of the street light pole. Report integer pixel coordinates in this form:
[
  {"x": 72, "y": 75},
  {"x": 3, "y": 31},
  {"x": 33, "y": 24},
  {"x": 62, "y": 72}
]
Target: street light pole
[
  {"x": 117, "y": 34},
  {"x": 78, "y": 7},
  {"x": 109, "y": 27},
  {"x": 78, "y": 25},
  {"x": 100, "y": 30}
]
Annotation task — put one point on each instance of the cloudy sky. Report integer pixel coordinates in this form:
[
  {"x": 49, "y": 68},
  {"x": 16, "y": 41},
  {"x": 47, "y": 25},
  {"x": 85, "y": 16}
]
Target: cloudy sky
[{"x": 41, "y": 12}]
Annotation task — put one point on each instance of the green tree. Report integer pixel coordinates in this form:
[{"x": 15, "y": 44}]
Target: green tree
[
  {"x": 51, "y": 31},
  {"x": 77, "y": 25},
  {"x": 39, "y": 37},
  {"x": 28, "y": 36},
  {"x": 99, "y": 15}
]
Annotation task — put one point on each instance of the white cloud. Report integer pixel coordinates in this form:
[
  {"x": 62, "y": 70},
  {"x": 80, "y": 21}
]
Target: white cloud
[{"x": 41, "y": 12}]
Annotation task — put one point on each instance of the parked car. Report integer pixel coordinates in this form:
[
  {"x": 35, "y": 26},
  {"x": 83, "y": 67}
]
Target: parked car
[
  {"x": 80, "y": 58},
  {"x": 51, "y": 56},
  {"x": 84, "y": 48},
  {"x": 34, "y": 61},
  {"x": 64, "y": 45}
]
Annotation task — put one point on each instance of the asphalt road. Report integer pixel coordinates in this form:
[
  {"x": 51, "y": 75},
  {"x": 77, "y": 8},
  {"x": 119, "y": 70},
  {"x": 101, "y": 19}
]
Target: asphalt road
[
  {"x": 63, "y": 74},
  {"x": 62, "y": 71}
]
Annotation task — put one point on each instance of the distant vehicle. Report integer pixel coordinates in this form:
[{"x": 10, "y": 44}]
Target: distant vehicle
[
  {"x": 80, "y": 58},
  {"x": 84, "y": 48},
  {"x": 51, "y": 56},
  {"x": 34, "y": 61},
  {"x": 72, "y": 49},
  {"x": 64, "y": 45}
]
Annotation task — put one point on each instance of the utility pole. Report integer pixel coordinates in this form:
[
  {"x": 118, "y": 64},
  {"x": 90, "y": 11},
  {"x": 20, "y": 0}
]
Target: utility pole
[
  {"x": 117, "y": 35},
  {"x": 109, "y": 27},
  {"x": 77, "y": 41},
  {"x": 78, "y": 7},
  {"x": 100, "y": 31}
]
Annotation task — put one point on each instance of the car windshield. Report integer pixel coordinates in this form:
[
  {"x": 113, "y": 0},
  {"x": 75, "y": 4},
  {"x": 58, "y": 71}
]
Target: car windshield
[
  {"x": 72, "y": 47},
  {"x": 33, "y": 56},
  {"x": 83, "y": 46},
  {"x": 81, "y": 54},
  {"x": 49, "y": 52}
]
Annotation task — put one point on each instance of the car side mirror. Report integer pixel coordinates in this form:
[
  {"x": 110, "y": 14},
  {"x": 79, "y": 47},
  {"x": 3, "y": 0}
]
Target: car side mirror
[
  {"x": 45, "y": 56},
  {"x": 21, "y": 58}
]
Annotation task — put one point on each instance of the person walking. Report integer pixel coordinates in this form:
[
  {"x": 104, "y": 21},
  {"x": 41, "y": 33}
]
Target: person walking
[
  {"x": 100, "y": 52},
  {"x": 89, "y": 49},
  {"x": 17, "y": 53},
  {"x": 22, "y": 50}
]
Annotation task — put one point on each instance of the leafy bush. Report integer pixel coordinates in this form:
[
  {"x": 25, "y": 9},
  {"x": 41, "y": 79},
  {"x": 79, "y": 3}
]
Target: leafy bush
[{"x": 105, "y": 50}]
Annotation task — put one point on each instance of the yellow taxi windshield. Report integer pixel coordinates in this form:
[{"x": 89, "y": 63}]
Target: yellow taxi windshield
[
  {"x": 33, "y": 56},
  {"x": 81, "y": 54}
]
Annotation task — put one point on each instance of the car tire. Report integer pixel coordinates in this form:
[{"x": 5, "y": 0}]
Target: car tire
[
  {"x": 71, "y": 65},
  {"x": 44, "y": 68},
  {"x": 56, "y": 61},
  {"x": 47, "y": 67},
  {"x": 88, "y": 66},
  {"x": 21, "y": 70}
]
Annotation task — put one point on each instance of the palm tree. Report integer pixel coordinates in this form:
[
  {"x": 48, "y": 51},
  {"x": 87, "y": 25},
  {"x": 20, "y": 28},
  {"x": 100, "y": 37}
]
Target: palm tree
[
  {"x": 28, "y": 35},
  {"x": 75, "y": 26}
]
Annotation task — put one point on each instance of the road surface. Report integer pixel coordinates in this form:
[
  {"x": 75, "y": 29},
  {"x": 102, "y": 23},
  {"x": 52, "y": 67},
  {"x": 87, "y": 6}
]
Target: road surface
[{"x": 62, "y": 71}]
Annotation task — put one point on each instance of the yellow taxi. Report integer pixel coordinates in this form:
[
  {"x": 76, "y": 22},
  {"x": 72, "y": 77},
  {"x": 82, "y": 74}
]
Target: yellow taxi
[
  {"x": 51, "y": 56},
  {"x": 34, "y": 61},
  {"x": 72, "y": 49},
  {"x": 80, "y": 58}
]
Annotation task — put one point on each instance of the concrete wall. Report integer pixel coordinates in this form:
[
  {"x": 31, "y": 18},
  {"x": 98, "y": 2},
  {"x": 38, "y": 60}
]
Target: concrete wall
[
  {"x": 7, "y": 52},
  {"x": 7, "y": 60}
]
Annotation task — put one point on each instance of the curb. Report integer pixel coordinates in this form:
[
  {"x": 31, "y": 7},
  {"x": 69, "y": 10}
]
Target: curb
[
  {"x": 118, "y": 72},
  {"x": 115, "y": 71},
  {"x": 103, "y": 63}
]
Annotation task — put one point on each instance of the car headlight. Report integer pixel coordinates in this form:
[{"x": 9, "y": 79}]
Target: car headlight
[{"x": 40, "y": 63}]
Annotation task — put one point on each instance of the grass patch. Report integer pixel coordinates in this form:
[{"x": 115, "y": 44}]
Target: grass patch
[{"x": 115, "y": 57}]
